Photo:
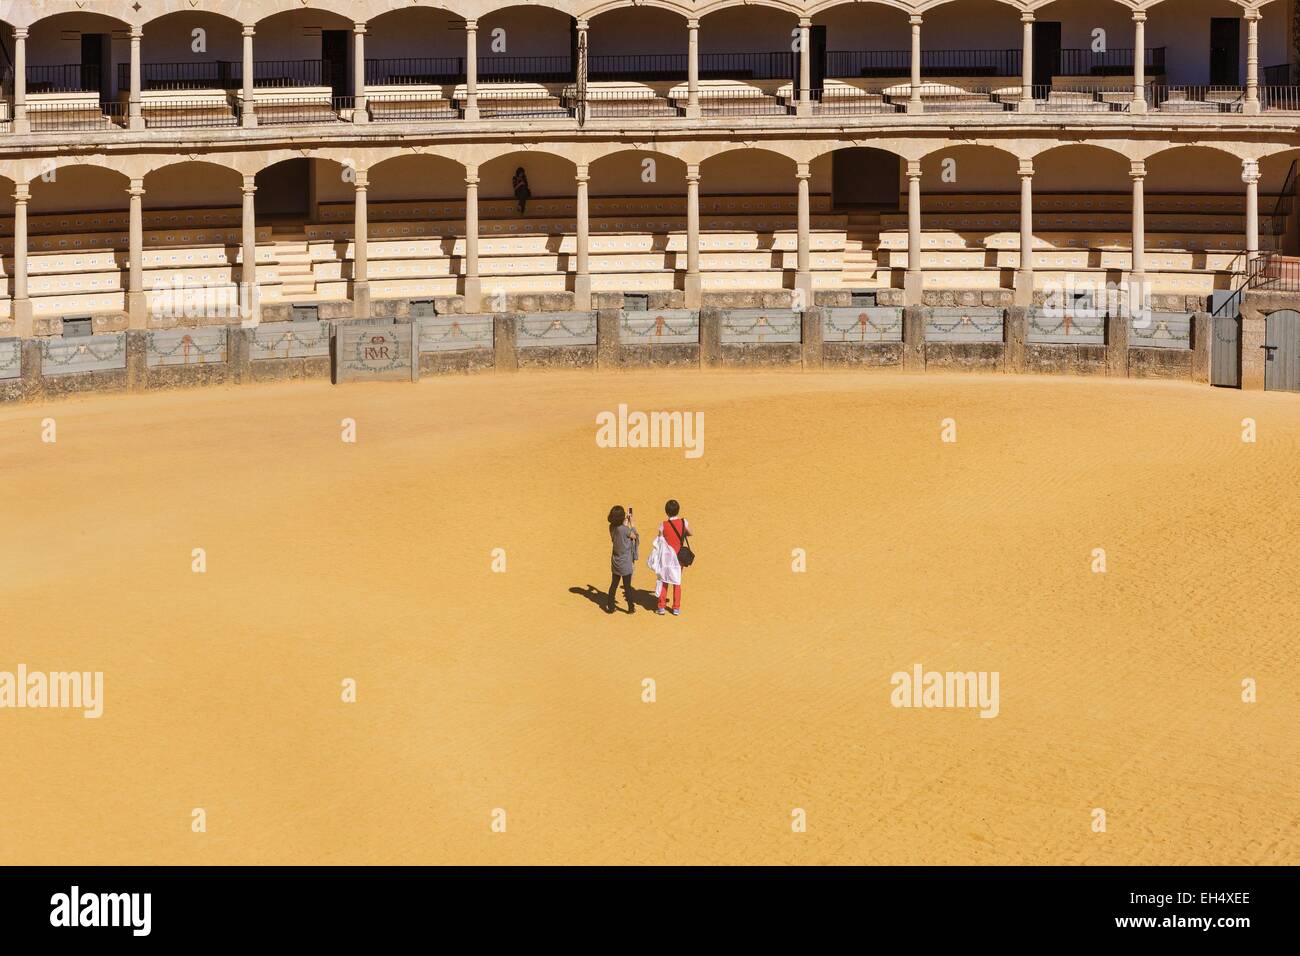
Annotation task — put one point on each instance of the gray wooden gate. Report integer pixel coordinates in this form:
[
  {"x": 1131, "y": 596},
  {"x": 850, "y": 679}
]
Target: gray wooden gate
[
  {"x": 1282, "y": 348},
  {"x": 1225, "y": 352}
]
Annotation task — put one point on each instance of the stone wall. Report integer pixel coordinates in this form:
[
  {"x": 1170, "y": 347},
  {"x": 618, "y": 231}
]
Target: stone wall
[{"x": 760, "y": 337}]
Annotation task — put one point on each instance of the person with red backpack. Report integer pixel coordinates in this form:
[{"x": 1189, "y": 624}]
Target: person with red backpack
[{"x": 671, "y": 554}]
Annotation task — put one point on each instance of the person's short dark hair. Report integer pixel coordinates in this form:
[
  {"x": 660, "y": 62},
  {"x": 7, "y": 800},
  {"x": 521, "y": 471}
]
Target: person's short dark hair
[
  {"x": 519, "y": 171},
  {"x": 617, "y": 515},
  {"x": 672, "y": 507}
]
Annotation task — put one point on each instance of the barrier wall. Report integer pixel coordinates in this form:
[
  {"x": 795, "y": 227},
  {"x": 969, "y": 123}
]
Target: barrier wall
[{"x": 1015, "y": 340}]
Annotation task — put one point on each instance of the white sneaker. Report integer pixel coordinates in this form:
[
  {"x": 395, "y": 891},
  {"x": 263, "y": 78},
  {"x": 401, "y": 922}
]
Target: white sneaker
[
  {"x": 660, "y": 611},
  {"x": 676, "y": 612}
]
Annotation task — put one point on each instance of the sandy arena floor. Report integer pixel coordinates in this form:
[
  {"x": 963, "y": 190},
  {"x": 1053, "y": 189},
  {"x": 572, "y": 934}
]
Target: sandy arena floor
[{"x": 481, "y": 690}]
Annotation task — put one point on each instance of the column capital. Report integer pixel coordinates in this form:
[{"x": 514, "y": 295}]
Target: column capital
[
  {"x": 471, "y": 26},
  {"x": 136, "y": 189},
  {"x": 1254, "y": 14},
  {"x": 1250, "y": 171},
  {"x": 1138, "y": 169},
  {"x": 471, "y": 179},
  {"x": 692, "y": 172},
  {"x": 805, "y": 23},
  {"x": 250, "y": 185},
  {"x": 913, "y": 169},
  {"x": 582, "y": 174},
  {"x": 582, "y": 24},
  {"x": 249, "y": 30},
  {"x": 359, "y": 27},
  {"x": 22, "y": 192},
  {"x": 362, "y": 180},
  {"x": 1027, "y": 16},
  {"x": 1139, "y": 16},
  {"x": 137, "y": 32},
  {"x": 915, "y": 20},
  {"x": 802, "y": 171},
  {"x": 693, "y": 23},
  {"x": 1026, "y": 169},
  {"x": 20, "y": 33}
]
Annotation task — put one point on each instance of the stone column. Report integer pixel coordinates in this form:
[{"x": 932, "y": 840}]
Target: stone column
[
  {"x": 1138, "y": 172},
  {"x": 692, "y": 69},
  {"x": 1025, "y": 274},
  {"x": 912, "y": 281},
  {"x": 693, "y": 286},
  {"x": 805, "y": 67},
  {"x": 360, "y": 254},
  {"x": 135, "y": 300},
  {"x": 1251, "y": 105},
  {"x": 803, "y": 265},
  {"x": 249, "y": 114},
  {"x": 248, "y": 295},
  {"x": 582, "y": 274},
  {"x": 471, "y": 69},
  {"x": 20, "y": 305},
  {"x": 473, "y": 285},
  {"x": 21, "y": 124},
  {"x": 135, "y": 118},
  {"x": 360, "y": 102},
  {"x": 1250, "y": 176},
  {"x": 915, "y": 105},
  {"x": 1027, "y": 65},
  {"x": 1139, "y": 104}
]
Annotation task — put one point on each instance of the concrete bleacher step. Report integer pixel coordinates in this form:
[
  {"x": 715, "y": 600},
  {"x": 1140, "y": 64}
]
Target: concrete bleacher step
[{"x": 293, "y": 258}]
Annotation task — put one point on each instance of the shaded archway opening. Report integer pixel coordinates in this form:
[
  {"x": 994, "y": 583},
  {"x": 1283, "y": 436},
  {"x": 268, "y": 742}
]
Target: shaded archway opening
[
  {"x": 1204, "y": 43},
  {"x": 414, "y": 46},
  {"x": 754, "y": 44},
  {"x": 76, "y": 53},
  {"x": 972, "y": 44},
  {"x": 865, "y": 178},
  {"x": 869, "y": 44},
  {"x": 527, "y": 44},
  {"x": 188, "y": 50},
  {"x": 637, "y": 45},
  {"x": 1278, "y": 182},
  {"x": 305, "y": 49},
  {"x": 292, "y": 191}
]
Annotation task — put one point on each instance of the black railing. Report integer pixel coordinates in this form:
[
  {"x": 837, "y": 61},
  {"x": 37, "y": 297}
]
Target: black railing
[
  {"x": 65, "y": 78},
  {"x": 415, "y": 71},
  {"x": 190, "y": 75},
  {"x": 289, "y": 73},
  {"x": 1113, "y": 62},
  {"x": 77, "y": 117},
  {"x": 533, "y": 69},
  {"x": 898, "y": 63},
  {"x": 180, "y": 113},
  {"x": 748, "y": 66},
  {"x": 291, "y": 112},
  {"x": 637, "y": 66},
  {"x": 1285, "y": 203}
]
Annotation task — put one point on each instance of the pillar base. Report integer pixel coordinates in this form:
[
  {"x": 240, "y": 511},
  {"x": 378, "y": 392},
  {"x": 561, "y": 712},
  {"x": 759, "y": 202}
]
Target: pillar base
[
  {"x": 913, "y": 288},
  {"x": 1139, "y": 105},
  {"x": 135, "y": 121},
  {"x": 915, "y": 106},
  {"x": 693, "y": 111},
  {"x": 803, "y": 287},
  {"x": 473, "y": 297},
  {"x": 248, "y": 119},
  {"x": 1024, "y": 297},
  {"x": 1251, "y": 108},
  {"x": 360, "y": 113},
  {"x": 693, "y": 289},
  {"x": 22, "y": 125},
  {"x": 582, "y": 293},
  {"x": 803, "y": 108},
  {"x": 20, "y": 310},
  {"x": 1026, "y": 104},
  {"x": 137, "y": 314},
  {"x": 250, "y": 308},
  {"x": 361, "y": 299},
  {"x": 471, "y": 111}
]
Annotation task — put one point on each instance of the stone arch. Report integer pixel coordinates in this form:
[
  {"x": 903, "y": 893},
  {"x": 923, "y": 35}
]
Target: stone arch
[
  {"x": 1081, "y": 167},
  {"x": 176, "y": 185},
  {"x": 550, "y": 174},
  {"x": 79, "y": 187},
  {"x": 623, "y": 173},
  {"x": 747, "y": 170},
  {"x": 407, "y": 176}
]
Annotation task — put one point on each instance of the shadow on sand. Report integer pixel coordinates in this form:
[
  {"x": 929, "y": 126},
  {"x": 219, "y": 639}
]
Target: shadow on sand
[{"x": 642, "y": 599}]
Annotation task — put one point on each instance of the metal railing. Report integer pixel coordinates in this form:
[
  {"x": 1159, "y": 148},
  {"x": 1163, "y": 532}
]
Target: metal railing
[
  {"x": 304, "y": 111},
  {"x": 1196, "y": 99},
  {"x": 839, "y": 102},
  {"x": 288, "y": 73},
  {"x": 411, "y": 107},
  {"x": 890, "y": 63},
  {"x": 1113, "y": 62},
  {"x": 740, "y": 103},
  {"x": 623, "y": 103},
  {"x": 188, "y": 75},
  {"x": 1285, "y": 98},
  {"x": 1053, "y": 99},
  {"x": 779, "y": 65},
  {"x": 532, "y": 69},
  {"x": 179, "y": 113},
  {"x": 76, "y": 116},
  {"x": 415, "y": 71},
  {"x": 65, "y": 78},
  {"x": 641, "y": 67},
  {"x": 524, "y": 104}
]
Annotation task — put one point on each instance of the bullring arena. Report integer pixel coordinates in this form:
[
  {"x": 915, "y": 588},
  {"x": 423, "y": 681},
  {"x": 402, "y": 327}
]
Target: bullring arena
[{"x": 989, "y": 310}]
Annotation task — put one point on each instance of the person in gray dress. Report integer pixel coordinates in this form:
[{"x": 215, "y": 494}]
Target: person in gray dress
[{"x": 622, "y": 536}]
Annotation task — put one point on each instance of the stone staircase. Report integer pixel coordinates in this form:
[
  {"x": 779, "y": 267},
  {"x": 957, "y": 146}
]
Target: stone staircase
[
  {"x": 293, "y": 259},
  {"x": 861, "y": 242}
]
